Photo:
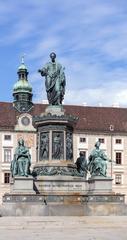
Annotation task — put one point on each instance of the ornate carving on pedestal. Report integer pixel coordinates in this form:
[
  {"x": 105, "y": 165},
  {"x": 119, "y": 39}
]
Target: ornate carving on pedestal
[
  {"x": 57, "y": 145},
  {"x": 44, "y": 145},
  {"x": 69, "y": 146},
  {"x": 57, "y": 170},
  {"x": 41, "y": 120}
]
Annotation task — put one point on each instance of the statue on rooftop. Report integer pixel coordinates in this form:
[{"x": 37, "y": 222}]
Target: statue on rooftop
[
  {"x": 55, "y": 80},
  {"x": 97, "y": 164},
  {"x": 20, "y": 165}
]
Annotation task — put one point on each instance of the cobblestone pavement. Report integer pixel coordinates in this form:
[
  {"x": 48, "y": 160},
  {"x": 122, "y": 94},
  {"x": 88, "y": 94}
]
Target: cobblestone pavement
[{"x": 63, "y": 228}]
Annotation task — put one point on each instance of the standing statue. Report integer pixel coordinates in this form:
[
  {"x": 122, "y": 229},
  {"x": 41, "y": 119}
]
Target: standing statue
[
  {"x": 44, "y": 146},
  {"x": 54, "y": 80},
  {"x": 69, "y": 146},
  {"x": 57, "y": 147},
  {"x": 21, "y": 163},
  {"x": 81, "y": 164},
  {"x": 97, "y": 164}
]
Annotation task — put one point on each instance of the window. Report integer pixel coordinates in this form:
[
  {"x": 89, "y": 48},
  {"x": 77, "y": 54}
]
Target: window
[
  {"x": 7, "y": 155},
  {"x": 101, "y": 140},
  {"x": 22, "y": 75},
  {"x": 7, "y": 137},
  {"x": 118, "y": 179},
  {"x": 118, "y": 141},
  {"x": 23, "y": 97},
  {"x": 111, "y": 127},
  {"x": 17, "y": 97},
  {"x": 6, "y": 177},
  {"x": 82, "y": 140},
  {"x": 118, "y": 158}
]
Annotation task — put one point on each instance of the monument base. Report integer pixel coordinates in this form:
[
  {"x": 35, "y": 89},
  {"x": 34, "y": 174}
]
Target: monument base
[
  {"x": 22, "y": 185},
  {"x": 54, "y": 110},
  {"x": 63, "y": 205},
  {"x": 100, "y": 184},
  {"x": 63, "y": 196}
]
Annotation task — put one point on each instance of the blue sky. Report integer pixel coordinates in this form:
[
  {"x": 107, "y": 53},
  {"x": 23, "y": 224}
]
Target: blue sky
[{"x": 89, "y": 38}]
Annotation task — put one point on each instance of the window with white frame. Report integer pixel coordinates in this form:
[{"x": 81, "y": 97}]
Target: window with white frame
[
  {"x": 82, "y": 140},
  {"x": 7, "y": 154},
  {"x": 118, "y": 141},
  {"x": 118, "y": 178},
  {"x": 6, "y": 177},
  {"x": 7, "y": 137},
  {"x": 119, "y": 158},
  {"x": 101, "y": 140}
]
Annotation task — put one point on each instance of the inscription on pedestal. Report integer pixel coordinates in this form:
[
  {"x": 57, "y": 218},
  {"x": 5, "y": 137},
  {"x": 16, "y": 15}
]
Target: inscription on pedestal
[{"x": 61, "y": 186}]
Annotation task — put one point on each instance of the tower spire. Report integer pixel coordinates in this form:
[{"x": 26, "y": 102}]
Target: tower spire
[
  {"x": 22, "y": 90},
  {"x": 22, "y": 58}
]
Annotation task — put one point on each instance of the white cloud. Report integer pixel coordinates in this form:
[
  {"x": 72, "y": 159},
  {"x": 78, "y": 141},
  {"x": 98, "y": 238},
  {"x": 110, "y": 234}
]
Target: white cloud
[
  {"x": 43, "y": 47},
  {"x": 105, "y": 96},
  {"x": 89, "y": 38}
]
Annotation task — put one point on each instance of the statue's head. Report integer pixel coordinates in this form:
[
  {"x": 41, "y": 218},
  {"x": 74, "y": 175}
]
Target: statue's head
[
  {"x": 43, "y": 136},
  {"x": 52, "y": 56},
  {"x": 21, "y": 141},
  {"x": 81, "y": 154},
  {"x": 68, "y": 134},
  {"x": 97, "y": 144}
]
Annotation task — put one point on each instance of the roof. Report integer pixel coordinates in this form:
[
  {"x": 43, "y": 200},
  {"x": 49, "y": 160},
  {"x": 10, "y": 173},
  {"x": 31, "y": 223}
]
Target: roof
[
  {"x": 22, "y": 66},
  {"x": 22, "y": 85},
  {"x": 91, "y": 119}
]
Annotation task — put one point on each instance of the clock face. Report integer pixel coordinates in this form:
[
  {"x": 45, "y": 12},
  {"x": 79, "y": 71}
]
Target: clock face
[{"x": 25, "y": 121}]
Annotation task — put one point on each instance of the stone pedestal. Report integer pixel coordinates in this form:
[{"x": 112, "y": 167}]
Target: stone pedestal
[
  {"x": 60, "y": 185},
  {"x": 63, "y": 196},
  {"x": 55, "y": 143},
  {"x": 99, "y": 184},
  {"x": 63, "y": 205},
  {"x": 22, "y": 185},
  {"x": 54, "y": 110}
]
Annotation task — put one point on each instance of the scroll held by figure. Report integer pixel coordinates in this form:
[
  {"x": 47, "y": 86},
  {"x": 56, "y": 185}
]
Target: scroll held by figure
[
  {"x": 20, "y": 165},
  {"x": 55, "y": 80}
]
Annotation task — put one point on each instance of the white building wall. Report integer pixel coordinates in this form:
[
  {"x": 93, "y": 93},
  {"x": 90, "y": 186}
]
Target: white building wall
[{"x": 109, "y": 146}]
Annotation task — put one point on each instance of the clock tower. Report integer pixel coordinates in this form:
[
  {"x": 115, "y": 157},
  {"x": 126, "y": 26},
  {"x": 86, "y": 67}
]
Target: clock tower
[{"x": 22, "y": 90}]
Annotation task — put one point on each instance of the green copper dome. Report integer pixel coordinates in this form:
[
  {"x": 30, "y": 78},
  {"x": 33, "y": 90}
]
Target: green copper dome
[
  {"x": 22, "y": 85},
  {"x": 22, "y": 67},
  {"x": 22, "y": 90}
]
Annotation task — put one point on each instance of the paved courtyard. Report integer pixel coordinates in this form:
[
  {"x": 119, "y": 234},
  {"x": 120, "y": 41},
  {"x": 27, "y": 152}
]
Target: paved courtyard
[{"x": 63, "y": 228}]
